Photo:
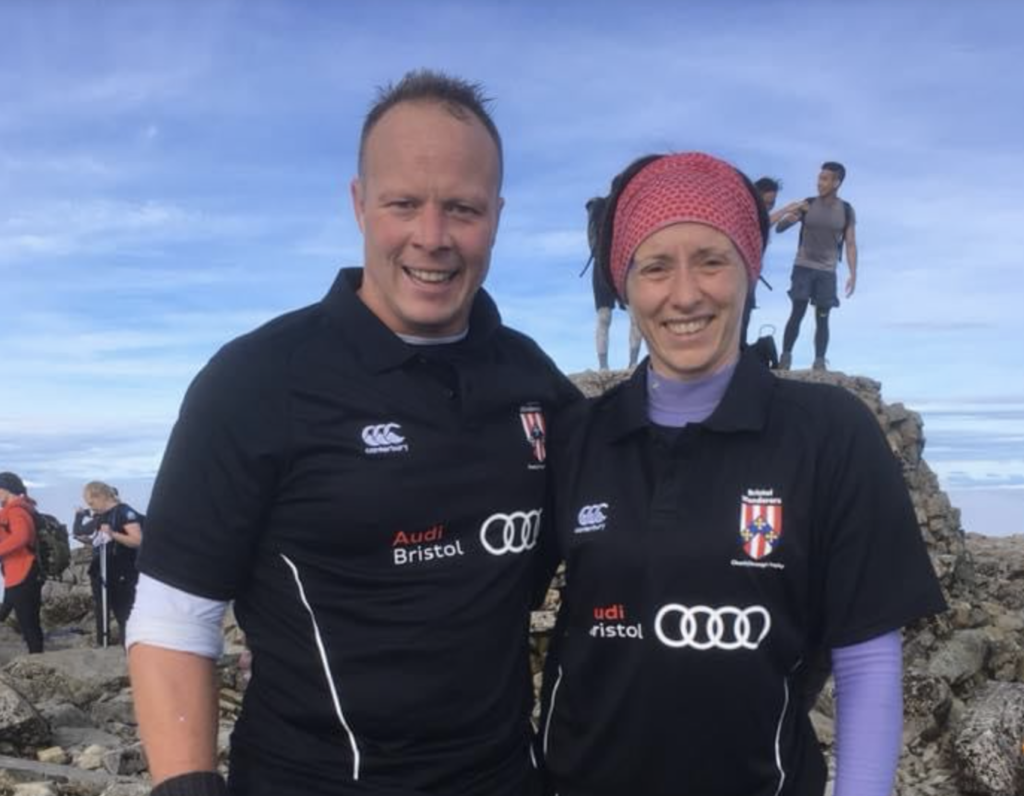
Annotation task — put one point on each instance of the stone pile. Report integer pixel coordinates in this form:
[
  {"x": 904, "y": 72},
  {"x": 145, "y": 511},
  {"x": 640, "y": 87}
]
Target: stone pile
[{"x": 67, "y": 725}]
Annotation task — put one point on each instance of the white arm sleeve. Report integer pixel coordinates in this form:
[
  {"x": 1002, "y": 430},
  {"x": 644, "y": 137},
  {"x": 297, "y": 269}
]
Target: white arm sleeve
[{"x": 166, "y": 617}]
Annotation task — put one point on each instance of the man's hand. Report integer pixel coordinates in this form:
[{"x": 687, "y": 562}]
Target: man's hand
[{"x": 851, "y": 284}]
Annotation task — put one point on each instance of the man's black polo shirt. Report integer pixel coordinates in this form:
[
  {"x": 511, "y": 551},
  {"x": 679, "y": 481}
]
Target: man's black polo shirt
[
  {"x": 373, "y": 508},
  {"x": 706, "y": 569}
]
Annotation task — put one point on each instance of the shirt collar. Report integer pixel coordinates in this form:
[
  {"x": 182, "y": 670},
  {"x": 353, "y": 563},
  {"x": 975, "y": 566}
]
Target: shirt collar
[
  {"x": 744, "y": 407},
  {"x": 377, "y": 347}
]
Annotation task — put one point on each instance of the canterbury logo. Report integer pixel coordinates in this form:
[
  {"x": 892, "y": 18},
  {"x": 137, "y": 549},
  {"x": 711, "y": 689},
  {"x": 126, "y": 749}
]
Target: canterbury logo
[
  {"x": 592, "y": 515},
  {"x": 703, "y": 628},
  {"x": 510, "y": 533},
  {"x": 384, "y": 438}
]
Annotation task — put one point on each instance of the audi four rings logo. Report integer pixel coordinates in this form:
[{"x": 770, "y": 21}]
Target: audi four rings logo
[
  {"x": 592, "y": 515},
  {"x": 382, "y": 434},
  {"x": 703, "y": 628},
  {"x": 510, "y": 533}
]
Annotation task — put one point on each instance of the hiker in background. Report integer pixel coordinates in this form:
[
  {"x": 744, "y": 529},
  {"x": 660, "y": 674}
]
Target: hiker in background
[
  {"x": 114, "y": 529},
  {"x": 768, "y": 188},
  {"x": 23, "y": 580},
  {"x": 827, "y": 224},
  {"x": 604, "y": 296}
]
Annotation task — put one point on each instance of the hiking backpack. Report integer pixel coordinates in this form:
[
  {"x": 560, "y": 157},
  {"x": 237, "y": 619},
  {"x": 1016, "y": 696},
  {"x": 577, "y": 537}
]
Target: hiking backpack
[
  {"x": 51, "y": 546},
  {"x": 595, "y": 219}
]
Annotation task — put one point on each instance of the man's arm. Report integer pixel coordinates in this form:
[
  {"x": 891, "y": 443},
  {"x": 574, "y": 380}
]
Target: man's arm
[
  {"x": 175, "y": 697},
  {"x": 790, "y": 214},
  {"x": 778, "y": 215},
  {"x": 851, "y": 258}
]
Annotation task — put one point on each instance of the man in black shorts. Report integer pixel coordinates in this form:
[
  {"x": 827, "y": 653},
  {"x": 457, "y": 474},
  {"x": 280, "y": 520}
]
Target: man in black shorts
[
  {"x": 365, "y": 478},
  {"x": 827, "y": 224}
]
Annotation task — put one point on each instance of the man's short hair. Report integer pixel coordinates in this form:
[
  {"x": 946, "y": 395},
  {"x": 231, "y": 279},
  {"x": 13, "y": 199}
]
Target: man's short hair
[
  {"x": 459, "y": 97},
  {"x": 768, "y": 185},
  {"x": 836, "y": 168}
]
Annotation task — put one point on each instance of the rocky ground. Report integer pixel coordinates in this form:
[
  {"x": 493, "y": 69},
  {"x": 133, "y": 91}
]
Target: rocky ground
[{"x": 67, "y": 725}]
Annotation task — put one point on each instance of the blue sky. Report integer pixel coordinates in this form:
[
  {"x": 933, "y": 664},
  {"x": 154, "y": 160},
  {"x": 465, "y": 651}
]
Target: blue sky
[{"x": 174, "y": 174}]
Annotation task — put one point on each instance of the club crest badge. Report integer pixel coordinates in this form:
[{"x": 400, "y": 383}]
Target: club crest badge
[
  {"x": 532, "y": 417},
  {"x": 760, "y": 523}
]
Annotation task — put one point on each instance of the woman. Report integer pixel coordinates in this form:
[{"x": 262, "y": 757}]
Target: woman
[
  {"x": 23, "y": 580},
  {"x": 114, "y": 529},
  {"x": 724, "y": 530}
]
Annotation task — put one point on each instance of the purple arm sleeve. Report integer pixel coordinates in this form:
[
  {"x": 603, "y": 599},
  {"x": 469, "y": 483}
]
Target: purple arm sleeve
[{"x": 869, "y": 715}]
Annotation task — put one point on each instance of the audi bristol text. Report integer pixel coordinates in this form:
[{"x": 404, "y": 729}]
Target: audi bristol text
[
  {"x": 606, "y": 627},
  {"x": 414, "y": 548}
]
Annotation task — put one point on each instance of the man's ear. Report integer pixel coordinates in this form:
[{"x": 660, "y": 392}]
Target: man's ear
[
  {"x": 356, "y": 190},
  {"x": 497, "y": 219}
]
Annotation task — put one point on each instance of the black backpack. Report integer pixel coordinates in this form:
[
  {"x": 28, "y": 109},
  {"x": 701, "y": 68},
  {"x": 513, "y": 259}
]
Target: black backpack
[
  {"x": 51, "y": 546},
  {"x": 595, "y": 218},
  {"x": 847, "y": 215}
]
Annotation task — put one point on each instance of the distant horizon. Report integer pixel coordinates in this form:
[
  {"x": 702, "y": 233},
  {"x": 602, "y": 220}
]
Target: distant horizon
[{"x": 990, "y": 511}]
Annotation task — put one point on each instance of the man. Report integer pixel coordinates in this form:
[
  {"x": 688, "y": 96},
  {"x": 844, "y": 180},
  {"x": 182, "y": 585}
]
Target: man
[
  {"x": 604, "y": 295},
  {"x": 365, "y": 478},
  {"x": 827, "y": 224},
  {"x": 23, "y": 580}
]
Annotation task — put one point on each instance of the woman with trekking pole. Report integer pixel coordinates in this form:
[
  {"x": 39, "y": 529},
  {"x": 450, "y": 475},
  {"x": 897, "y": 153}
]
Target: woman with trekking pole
[{"x": 114, "y": 529}]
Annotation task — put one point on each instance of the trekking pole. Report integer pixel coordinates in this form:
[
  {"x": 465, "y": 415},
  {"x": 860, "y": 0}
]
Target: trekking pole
[{"x": 105, "y": 626}]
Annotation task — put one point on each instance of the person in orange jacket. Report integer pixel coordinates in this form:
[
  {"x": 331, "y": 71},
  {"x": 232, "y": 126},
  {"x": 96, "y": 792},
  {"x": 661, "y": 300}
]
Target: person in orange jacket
[{"x": 23, "y": 581}]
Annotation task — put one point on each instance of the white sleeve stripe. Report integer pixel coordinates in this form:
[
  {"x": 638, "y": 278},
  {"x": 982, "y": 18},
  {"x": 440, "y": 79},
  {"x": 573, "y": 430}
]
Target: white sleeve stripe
[{"x": 170, "y": 618}]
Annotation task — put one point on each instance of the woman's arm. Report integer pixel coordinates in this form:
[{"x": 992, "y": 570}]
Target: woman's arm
[
  {"x": 869, "y": 715},
  {"x": 19, "y": 527},
  {"x": 129, "y": 536}
]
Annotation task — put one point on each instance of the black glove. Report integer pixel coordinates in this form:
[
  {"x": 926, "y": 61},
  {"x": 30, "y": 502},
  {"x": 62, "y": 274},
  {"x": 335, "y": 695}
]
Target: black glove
[{"x": 195, "y": 783}]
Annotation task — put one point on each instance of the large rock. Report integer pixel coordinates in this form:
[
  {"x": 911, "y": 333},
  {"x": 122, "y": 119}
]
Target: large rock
[
  {"x": 77, "y": 676},
  {"x": 20, "y": 723},
  {"x": 927, "y": 701},
  {"x": 80, "y": 737},
  {"x": 987, "y": 744},
  {"x": 118, "y": 708},
  {"x": 128, "y": 789},
  {"x": 961, "y": 657},
  {"x": 65, "y": 606}
]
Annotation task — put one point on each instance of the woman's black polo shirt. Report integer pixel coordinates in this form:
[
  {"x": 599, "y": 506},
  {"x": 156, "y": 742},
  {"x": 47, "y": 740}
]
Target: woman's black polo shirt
[
  {"x": 708, "y": 570},
  {"x": 373, "y": 509}
]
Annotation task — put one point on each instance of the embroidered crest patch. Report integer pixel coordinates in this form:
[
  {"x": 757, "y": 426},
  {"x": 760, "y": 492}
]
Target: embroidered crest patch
[{"x": 760, "y": 523}]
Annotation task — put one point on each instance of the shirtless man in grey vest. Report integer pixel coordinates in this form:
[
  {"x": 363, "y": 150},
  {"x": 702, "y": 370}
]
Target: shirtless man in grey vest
[{"x": 827, "y": 224}]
